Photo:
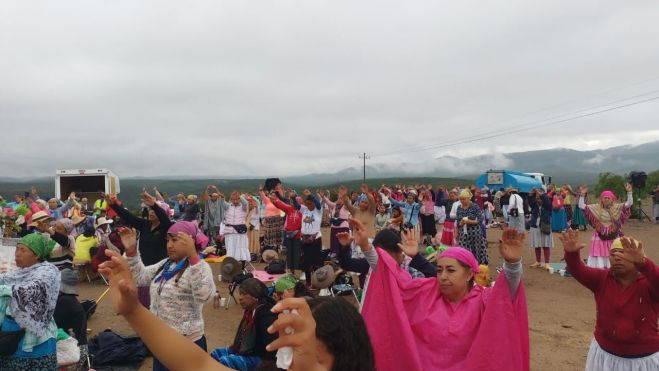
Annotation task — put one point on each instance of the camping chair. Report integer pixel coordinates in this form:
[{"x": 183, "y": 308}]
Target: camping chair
[
  {"x": 83, "y": 267},
  {"x": 343, "y": 285},
  {"x": 344, "y": 289}
]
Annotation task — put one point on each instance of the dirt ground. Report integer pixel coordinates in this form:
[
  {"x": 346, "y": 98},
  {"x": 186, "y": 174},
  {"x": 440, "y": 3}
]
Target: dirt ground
[{"x": 561, "y": 311}]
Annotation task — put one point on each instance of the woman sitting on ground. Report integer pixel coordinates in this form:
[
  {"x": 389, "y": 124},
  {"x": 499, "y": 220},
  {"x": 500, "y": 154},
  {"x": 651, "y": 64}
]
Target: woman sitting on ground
[
  {"x": 289, "y": 286},
  {"x": 626, "y": 298},
  {"x": 28, "y": 297},
  {"x": 179, "y": 285},
  {"x": 249, "y": 345},
  {"x": 85, "y": 243}
]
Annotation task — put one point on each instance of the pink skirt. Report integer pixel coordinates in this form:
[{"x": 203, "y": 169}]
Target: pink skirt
[
  {"x": 448, "y": 234},
  {"x": 599, "y": 247}
]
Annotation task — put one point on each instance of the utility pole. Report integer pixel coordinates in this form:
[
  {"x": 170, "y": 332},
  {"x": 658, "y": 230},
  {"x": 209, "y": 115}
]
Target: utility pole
[{"x": 365, "y": 157}]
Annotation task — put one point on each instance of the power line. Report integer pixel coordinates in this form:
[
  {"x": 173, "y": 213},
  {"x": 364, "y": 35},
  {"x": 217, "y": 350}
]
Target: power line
[
  {"x": 553, "y": 123},
  {"x": 526, "y": 126}
]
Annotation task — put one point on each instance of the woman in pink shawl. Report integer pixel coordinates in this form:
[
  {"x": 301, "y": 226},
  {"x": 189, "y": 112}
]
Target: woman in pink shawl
[
  {"x": 606, "y": 217},
  {"x": 448, "y": 322}
]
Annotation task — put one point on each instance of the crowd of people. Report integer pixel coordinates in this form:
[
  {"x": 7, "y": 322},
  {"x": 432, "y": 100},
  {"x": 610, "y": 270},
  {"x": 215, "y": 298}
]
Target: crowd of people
[{"x": 423, "y": 303}]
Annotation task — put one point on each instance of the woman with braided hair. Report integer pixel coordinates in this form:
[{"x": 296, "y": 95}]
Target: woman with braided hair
[{"x": 180, "y": 285}]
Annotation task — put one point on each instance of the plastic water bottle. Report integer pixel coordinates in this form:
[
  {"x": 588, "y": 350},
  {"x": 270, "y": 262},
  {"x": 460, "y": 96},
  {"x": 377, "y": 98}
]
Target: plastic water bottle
[{"x": 216, "y": 300}]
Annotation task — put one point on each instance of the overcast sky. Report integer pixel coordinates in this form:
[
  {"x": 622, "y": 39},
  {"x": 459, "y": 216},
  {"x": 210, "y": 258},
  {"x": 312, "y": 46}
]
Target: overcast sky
[{"x": 236, "y": 88}]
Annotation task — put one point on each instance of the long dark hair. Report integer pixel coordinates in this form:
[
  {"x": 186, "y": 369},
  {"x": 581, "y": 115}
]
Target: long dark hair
[{"x": 343, "y": 331}]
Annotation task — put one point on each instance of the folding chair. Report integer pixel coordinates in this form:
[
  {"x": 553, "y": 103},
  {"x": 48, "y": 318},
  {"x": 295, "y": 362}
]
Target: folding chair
[
  {"x": 83, "y": 267},
  {"x": 343, "y": 289}
]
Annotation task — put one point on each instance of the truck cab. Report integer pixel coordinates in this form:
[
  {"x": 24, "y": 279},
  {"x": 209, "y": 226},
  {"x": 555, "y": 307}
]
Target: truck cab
[{"x": 542, "y": 178}]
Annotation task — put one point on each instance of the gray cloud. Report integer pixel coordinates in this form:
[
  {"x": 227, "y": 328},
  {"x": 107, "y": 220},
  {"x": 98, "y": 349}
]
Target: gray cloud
[{"x": 241, "y": 88}]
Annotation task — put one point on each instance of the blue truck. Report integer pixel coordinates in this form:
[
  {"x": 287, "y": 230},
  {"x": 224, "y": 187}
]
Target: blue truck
[{"x": 523, "y": 182}]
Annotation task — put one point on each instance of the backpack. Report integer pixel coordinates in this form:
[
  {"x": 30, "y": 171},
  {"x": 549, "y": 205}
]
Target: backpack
[
  {"x": 277, "y": 266},
  {"x": 111, "y": 349}
]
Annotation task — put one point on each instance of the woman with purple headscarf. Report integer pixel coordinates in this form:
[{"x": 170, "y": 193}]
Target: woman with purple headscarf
[
  {"x": 179, "y": 285},
  {"x": 606, "y": 217}
]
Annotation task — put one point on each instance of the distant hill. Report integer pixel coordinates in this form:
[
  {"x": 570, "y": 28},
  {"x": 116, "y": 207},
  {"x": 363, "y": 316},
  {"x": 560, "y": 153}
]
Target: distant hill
[
  {"x": 563, "y": 165},
  {"x": 131, "y": 188}
]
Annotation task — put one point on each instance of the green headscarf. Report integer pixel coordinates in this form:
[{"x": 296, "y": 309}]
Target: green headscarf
[
  {"x": 38, "y": 244},
  {"x": 285, "y": 282},
  {"x": 22, "y": 210}
]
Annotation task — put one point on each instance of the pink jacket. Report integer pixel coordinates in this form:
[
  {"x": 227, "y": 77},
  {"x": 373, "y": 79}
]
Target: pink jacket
[{"x": 412, "y": 327}]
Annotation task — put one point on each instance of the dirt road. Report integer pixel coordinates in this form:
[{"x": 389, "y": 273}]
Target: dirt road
[{"x": 561, "y": 312}]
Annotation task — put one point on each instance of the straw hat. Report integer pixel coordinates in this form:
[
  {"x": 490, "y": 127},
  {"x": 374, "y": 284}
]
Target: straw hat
[
  {"x": 269, "y": 255},
  {"x": 39, "y": 216},
  {"x": 229, "y": 269},
  {"x": 102, "y": 221},
  {"x": 77, "y": 219},
  {"x": 323, "y": 277}
]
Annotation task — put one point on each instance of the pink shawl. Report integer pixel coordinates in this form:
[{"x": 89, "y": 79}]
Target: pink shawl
[{"x": 413, "y": 328}]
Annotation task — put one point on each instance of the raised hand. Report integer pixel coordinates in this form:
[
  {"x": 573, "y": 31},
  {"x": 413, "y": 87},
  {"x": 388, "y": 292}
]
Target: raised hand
[
  {"x": 148, "y": 199},
  {"x": 628, "y": 187},
  {"x": 511, "y": 245},
  {"x": 321, "y": 193},
  {"x": 122, "y": 287},
  {"x": 344, "y": 238},
  {"x": 364, "y": 188},
  {"x": 188, "y": 243},
  {"x": 297, "y": 329},
  {"x": 110, "y": 199},
  {"x": 570, "y": 241},
  {"x": 359, "y": 233},
  {"x": 410, "y": 245},
  {"x": 632, "y": 251},
  {"x": 129, "y": 240}
]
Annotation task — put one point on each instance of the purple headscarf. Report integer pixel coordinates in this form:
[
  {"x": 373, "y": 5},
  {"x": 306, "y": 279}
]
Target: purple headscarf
[
  {"x": 462, "y": 255},
  {"x": 191, "y": 229}
]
